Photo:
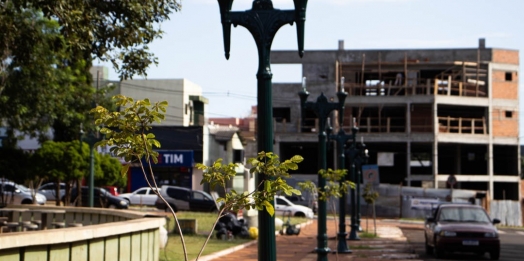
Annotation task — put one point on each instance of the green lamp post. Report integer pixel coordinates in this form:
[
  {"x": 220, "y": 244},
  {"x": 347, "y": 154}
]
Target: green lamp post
[
  {"x": 263, "y": 22},
  {"x": 361, "y": 159},
  {"x": 341, "y": 138},
  {"x": 90, "y": 139},
  {"x": 322, "y": 109},
  {"x": 353, "y": 154}
]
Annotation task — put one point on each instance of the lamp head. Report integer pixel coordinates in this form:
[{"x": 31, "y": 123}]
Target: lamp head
[{"x": 225, "y": 7}]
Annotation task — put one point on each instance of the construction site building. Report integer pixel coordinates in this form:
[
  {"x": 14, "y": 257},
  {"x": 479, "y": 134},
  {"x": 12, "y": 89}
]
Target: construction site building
[{"x": 424, "y": 114}]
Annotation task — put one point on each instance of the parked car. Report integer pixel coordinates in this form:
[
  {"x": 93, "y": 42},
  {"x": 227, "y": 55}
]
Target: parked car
[
  {"x": 101, "y": 198},
  {"x": 461, "y": 228},
  {"x": 13, "y": 193},
  {"x": 141, "y": 196},
  {"x": 49, "y": 191},
  {"x": 301, "y": 200},
  {"x": 285, "y": 207},
  {"x": 180, "y": 198}
]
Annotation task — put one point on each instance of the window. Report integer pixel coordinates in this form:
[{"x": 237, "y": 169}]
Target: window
[
  {"x": 281, "y": 202},
  {"x": 509, "y": 114},
  {"x": 178, "y": 194},
  {"x": 141, "y": 192},
  {"x": 198, "y": 196},
  {"x": 238, "y": 156},
  {"x": 509, "y": 76},
  {"x": 282, "y": 114}
]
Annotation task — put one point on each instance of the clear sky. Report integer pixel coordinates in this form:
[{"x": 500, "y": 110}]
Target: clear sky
[{"x": 192, "y": 46}]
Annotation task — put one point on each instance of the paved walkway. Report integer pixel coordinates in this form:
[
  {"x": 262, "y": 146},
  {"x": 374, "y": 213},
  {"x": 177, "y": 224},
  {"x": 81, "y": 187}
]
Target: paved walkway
[{"x": 390, "y": 245}]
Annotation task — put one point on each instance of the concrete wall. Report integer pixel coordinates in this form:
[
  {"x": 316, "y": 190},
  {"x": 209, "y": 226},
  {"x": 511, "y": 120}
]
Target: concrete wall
[
  {"x": 175, "y": 91},
  {"x": 120, "y": 235}
]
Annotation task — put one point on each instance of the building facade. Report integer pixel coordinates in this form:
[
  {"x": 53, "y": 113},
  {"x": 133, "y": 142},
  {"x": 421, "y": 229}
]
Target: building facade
[{"x": 424, "y": 114}]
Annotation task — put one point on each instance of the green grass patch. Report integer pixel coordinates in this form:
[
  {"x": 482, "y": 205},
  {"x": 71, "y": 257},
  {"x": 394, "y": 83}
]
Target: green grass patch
[
  {"x": 194, "y": 243},
  {"x": 361, "y": 247},
  {"x": 367, "y": 235}
]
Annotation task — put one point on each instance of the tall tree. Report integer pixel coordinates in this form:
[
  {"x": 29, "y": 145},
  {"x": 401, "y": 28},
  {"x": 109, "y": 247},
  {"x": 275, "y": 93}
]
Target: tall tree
[{"x": 47, "y": 48}]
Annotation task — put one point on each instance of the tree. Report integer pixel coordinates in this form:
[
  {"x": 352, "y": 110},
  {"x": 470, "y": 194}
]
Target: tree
[
  {"x": 111, "y": 169},
  {"x": 47, "y": 48},
  {"x": 126, "y": 132},
  {"x": 370, "y": 196},
  {"x": 116, "y": 31}
]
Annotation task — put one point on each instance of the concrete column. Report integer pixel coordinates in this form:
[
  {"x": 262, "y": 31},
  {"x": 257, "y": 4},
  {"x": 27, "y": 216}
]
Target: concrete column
[
  {"x": 491, "y": 187},
  {"x": 435, "y": 142},
  {"x": 408, "y": 145}
]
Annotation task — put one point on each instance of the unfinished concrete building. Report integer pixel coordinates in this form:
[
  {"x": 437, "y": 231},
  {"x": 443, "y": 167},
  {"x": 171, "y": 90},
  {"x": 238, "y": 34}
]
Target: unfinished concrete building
[{"x": 424, "y": 114}]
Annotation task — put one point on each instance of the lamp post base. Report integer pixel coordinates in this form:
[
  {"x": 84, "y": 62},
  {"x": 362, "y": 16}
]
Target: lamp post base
[
  {"x": 353, "y": 234},
  {"x": 322, "y": 253},
  {"x": 342, "y": 245}
]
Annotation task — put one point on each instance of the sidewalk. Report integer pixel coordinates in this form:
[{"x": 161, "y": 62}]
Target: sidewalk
[{"x": 391, "y": 244}]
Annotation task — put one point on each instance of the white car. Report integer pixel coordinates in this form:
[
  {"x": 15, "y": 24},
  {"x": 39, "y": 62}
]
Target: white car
[
  {"x": 284, "y": 207},
  {"x": 141, "y": 196},
  {"x": 49, "y": 191},
  {"x": 12, "y": 193}
]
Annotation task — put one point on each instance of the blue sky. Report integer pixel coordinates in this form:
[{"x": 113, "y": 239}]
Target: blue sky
[{"x": 192, "y": 46}]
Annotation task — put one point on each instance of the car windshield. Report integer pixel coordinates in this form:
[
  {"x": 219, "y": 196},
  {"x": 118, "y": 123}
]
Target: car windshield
[
  {"x": 22, "y": 188},
  {"x": 463, "y": 214},
  {"x": 206, "y": 194}
]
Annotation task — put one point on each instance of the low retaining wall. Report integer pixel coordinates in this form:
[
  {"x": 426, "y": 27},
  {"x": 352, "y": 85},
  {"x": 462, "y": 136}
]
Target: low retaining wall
[{"x": 106, "y": 235}]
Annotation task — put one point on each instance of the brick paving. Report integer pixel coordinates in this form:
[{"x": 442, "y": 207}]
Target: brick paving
[{"x": 390, "y": 245}]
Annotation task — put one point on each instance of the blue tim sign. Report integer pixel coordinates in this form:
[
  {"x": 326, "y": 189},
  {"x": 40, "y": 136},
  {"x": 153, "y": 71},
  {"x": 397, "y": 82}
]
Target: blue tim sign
[{"x": 175, "y": 158}]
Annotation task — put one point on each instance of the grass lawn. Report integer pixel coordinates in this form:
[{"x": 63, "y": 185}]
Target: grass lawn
[{"x": 194, "y": 243}]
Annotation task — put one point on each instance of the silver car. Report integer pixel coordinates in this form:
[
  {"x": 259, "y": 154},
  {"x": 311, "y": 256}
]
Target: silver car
[
  {"x": 12, "y": 193},
  {"x": 49, "y": 191},
  {"x": 141, "y": 196}
]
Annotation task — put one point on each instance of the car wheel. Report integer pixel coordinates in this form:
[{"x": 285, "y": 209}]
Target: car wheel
[
  {"x": 27, "y": 201},
  {"x": 300, "y": 214},
  {"x": 128, "y": 201},
  {"x": 494, "y": 255}
]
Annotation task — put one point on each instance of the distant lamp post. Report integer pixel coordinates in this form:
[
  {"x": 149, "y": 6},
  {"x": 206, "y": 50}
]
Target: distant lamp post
[
  {"x": 362, "y": 159},
  {"x": 90, "y": 139},
  {"x": 341, "y": 138},
  {"x": 353, "y": 154},
  {"x": 263, "y": 22},
  {"x": 322, "y": 109}
]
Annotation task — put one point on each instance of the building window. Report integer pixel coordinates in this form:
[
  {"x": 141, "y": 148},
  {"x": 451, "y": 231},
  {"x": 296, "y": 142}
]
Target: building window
[
  {"x": 509, "y": 114},
  {"x": 509, "y": 76},
  {"x": 238, "y": 156},
  {"x": 282, "y": 114}
]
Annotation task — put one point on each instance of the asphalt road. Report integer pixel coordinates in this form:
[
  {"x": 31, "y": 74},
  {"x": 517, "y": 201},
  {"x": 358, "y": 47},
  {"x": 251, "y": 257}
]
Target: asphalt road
[{"x": 511, "y": 240}]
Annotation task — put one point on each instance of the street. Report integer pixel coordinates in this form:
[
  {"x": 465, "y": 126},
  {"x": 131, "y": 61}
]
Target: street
[{"x": 511, "y": 240}]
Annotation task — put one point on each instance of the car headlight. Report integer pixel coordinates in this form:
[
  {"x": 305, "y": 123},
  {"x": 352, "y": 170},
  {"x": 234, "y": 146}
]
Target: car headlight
[
  {"x": 490, "y": 234},
  {"x": 448, "y": 233},
  {"x": 123, "y": 202}
]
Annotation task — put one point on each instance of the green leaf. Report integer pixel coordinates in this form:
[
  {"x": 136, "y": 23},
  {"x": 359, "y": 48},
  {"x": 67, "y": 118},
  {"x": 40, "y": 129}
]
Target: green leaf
[{"x": 269, "y": 207}]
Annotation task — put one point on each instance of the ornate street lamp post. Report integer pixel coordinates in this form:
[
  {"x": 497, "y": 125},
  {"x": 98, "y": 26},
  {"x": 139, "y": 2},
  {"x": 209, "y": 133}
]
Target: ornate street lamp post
[
  {"x": 361, "y": 159},
  {"x": 341, "y": 138},
  {"x": 322, "y": 109},
  {"x": 90, "y": 139},
  {"x": 353, "y": 154},
  {"x": 263, "y": 22}
]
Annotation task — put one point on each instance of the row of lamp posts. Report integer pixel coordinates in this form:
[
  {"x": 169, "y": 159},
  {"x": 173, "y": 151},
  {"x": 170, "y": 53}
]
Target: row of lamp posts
[{"x": 357, "y": 157}]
